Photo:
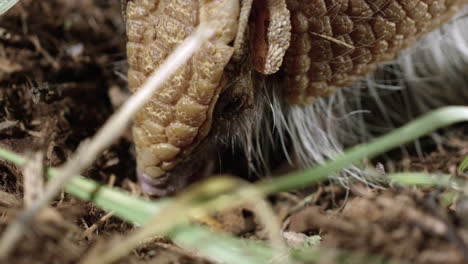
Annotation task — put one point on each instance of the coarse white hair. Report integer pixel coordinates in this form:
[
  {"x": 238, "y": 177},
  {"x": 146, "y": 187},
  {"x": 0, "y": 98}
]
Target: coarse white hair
[{"x": 431, "y": 73}]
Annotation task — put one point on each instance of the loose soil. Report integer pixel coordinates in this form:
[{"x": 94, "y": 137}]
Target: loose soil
[{"x": 62, "y": 73}]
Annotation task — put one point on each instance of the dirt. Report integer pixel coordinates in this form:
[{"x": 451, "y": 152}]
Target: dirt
[{"x": 62, "y": 73}]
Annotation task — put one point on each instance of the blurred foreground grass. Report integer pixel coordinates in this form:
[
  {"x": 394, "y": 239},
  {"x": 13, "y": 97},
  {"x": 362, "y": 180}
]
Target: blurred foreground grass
[{"x": 170, "y": 216}]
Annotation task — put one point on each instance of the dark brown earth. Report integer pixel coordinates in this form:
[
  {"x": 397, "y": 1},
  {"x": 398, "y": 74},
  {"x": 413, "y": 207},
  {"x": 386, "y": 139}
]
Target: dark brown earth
[{"x": 61, "y": 75}]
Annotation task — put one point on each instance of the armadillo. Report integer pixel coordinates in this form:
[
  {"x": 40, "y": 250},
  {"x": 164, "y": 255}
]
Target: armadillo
[{"x": 286, "y": 55}]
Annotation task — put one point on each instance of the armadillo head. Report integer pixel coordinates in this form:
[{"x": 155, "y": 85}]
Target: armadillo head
[
  {"x": 324, "y": 44},
  {"x": 170, "y": 132}
]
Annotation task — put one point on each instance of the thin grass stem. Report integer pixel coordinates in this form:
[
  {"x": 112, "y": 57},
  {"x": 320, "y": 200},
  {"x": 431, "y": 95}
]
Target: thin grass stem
[{"x": 422, "y": 126}]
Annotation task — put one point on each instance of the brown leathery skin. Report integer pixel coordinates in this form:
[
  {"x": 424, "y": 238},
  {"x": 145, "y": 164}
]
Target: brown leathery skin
[
  {"x": 331, "y": 43},
  {"x": 335, "y": 42},
  {"x": 178, "y": 117}
]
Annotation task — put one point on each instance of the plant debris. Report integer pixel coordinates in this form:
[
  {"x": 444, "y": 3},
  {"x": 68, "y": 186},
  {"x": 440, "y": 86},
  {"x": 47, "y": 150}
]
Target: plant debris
[{"x": 61, "y": 68}]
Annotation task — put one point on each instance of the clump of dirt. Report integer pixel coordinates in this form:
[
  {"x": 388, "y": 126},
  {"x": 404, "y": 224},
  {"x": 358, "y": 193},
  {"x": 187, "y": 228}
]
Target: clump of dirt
[
  {"x": 58, "y": 61},
  {"x": 62, "y": 73}
]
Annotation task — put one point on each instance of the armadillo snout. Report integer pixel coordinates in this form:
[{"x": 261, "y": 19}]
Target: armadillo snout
[{"x": 154, "y": 186}]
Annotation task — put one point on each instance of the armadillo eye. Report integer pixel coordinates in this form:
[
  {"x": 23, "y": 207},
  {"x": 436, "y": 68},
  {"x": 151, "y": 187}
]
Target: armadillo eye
[{"x": 233, "y": 107}]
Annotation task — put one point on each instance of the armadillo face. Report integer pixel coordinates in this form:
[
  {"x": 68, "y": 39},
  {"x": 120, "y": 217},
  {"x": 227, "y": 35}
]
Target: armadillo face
[{"x": 314, "y": 46}]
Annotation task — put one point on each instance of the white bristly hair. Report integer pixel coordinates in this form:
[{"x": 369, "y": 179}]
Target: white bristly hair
[{"x": 430, "y": 74}]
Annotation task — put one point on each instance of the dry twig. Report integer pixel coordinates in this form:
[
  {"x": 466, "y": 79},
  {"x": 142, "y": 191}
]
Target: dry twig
[{"x": 89, "y": 150}]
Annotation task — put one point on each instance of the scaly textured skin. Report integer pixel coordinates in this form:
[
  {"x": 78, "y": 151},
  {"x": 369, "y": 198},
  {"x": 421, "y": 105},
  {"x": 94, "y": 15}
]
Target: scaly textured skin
[
  {"x": 315, "y": 46},
  {"x": 334, "y": 42},
  {"x": 179, "y": 116}
]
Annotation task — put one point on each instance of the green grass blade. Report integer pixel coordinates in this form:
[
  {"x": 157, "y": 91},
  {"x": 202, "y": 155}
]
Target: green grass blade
[
  {"x": 5, "y": 5},
  {"x": 133, "y": 209},
  {"x": 221, "y": 247},
  {"x": 464, "y": 165},
  {"x": 424, "y": 125},
  {"x": 422, "y": 179}
]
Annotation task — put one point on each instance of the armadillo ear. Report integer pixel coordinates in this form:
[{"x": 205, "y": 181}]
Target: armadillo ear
[{"x": 271, "y": 34}]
